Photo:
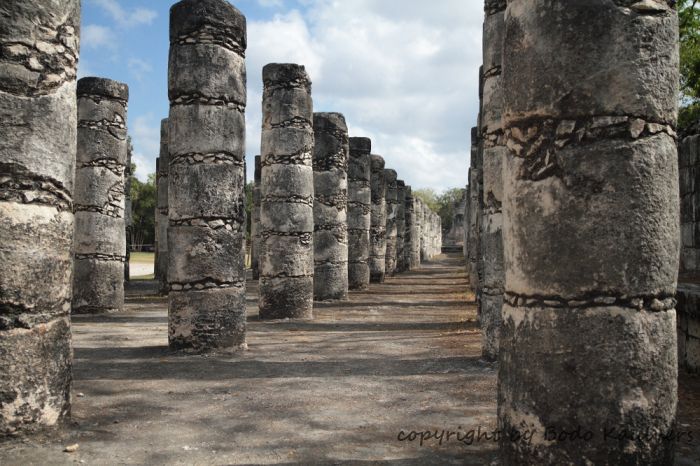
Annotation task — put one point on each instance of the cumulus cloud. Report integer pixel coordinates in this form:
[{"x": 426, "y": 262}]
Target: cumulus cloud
[
  {"x": 145, "y": 136},
  {"x": 404, "y": 72},
  {"x": 139, "y": 68},
  {"x": 94, "y": 36},
  {"x": 126, "y": 18}
]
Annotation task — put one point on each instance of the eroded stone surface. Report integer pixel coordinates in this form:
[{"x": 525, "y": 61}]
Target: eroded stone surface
[
  {"x": 330, "y": 163},
  {"x": 287, "y": 194},
  {"x": 38, "y": 58},
  {"x": 162, "y": 220},
  {"x": 591, "y": 233},
  {"x": 206, "y": 231},
  {"x": 391, "y": 214},
  {"x": 359, "y": 213},
  {"x": 377, "y": 234}
]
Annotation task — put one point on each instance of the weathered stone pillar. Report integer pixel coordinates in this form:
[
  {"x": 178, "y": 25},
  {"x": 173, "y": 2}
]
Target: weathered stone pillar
[
  {"x": 255, "y": 221},
  {"x": 330, "y": 163},
  {"x": 410, "y": 226},
  {"x": 287, "y": 190},
  {"x": 377, "y": 235},
  {"x": 400, "y": 225},
  {"x": 37, "y": 166},
  {"x": 475, "y": 209},
  {"x": 206, "y": 208},
  {"x": 591, "y": 236},
  {"x": 163, "y": 169},
  {"x": 493, "y": 153},
  {"x": 359, "y": 213},
  {"x": 416, "y": 233},
  {"x": 128, "y": 214},
  {"x": 100, "y": 231},
  {"x": 423, "y": 230},
  {"x": 391, "y": 211}
]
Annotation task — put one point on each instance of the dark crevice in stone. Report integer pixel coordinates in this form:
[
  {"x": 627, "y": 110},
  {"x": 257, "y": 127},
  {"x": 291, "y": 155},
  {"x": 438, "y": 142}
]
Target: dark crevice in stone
[
  {"x": 18, "y": 316},
  {"x": 211, "y": 35},
  {"x": 295, "y": 122},
  {"x": 117, "y": 131},
  {"x": 110, "y": 164},
  {"x": 301, "y": 157},
  {"x": 289, "y": 199},
  {"x": 199, "y": 99},
  {"x": 661, "y": 302},
  {"x": 205, "y": 284},
  {"x": 287, "y": 85},
  {"x": 340, "y": 201},
  {"x": 101, "y": 257},
  {"x": 539, "y": 141},
  {"x": 18, "y": 184},
  {"x": 48, "y": 70},
  {"x": 215, "y": 158},
  {"x": 97, "y": 98},
  {"x": 233, "y": 224}
]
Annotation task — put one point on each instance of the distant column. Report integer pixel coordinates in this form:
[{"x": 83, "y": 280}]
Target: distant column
[
  {"x": 359, "y": 213},
  {"x": 162, "y": 208},
  {"x": 377, "y": 236},
  {"x": 287, "y": 190},
  {"x": 400, "y": 225},
  {"x": 206, "y": 208},
  {"x": 410, "y": 229},
  {"x": 128, "y": 214},
  {"x": 415, "y": 233},
  {"x": 100, "y": 228},
  {"x": 592, "y": 233},
  {"x": 391, "y": 211},
  {"x": 330, "y": 163},
  {"x": 39, "y": 43},
  {"x": 255, "y": 221}
]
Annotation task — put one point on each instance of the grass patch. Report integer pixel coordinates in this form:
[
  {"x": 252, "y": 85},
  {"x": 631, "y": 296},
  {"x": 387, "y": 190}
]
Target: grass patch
[
  {"x": 142, "y": 257},
  {"x": 142, "y": 278}
]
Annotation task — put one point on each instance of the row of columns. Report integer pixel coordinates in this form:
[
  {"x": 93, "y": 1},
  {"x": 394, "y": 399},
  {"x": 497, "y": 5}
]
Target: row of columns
[{"x": 572, "y": 240}]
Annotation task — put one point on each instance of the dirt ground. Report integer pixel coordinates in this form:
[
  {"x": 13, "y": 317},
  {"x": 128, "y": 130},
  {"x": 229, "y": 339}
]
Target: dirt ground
[{"x": 339, "y": 389}]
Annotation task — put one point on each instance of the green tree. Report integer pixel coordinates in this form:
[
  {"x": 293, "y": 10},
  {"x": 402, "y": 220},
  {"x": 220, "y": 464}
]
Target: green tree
[
  {"x": 143, "y": 207},
  {"x": 689, "y": 24},
  {"x": 429, "y": 196},
  {"x": 443, "y": 204}
]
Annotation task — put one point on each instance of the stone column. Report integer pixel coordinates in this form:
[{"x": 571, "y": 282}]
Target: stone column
[
  {"x": 162, "y": 208},
  {"x": 37, "y": 166},
  {"x": 100, "y": 229},
  {"x": 128, "y": 214},
  {"x": 206, "y": 207},
  {"x": 330, "y": 163},
  {"x": 493, "y": 154},
  {"x": 255, "y": 221},
  {"x": 391, "y": 211},
  {"x": 475, "y": 208},
  {"x": 423, "y": 230},
  {"x": 287, "y": 190},
  {"x": 592, "y": 237},
  {"x": 415, "y": 233},
  {"x": 400, "y": 225},
  {"x": 377, "y": 235},
  {"x": 359, "y": 212},
  {"x": 410, "y": 227}
]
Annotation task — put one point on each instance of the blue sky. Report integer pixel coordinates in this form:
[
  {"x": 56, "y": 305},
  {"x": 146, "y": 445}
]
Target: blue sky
[{"x": 403, "y": 72}]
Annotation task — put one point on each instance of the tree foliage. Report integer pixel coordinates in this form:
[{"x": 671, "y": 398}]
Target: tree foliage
[
  {"x": 143, "y": 207},
  {"x": 443, "y": 204},
  {"x": 689, "y": 25}
]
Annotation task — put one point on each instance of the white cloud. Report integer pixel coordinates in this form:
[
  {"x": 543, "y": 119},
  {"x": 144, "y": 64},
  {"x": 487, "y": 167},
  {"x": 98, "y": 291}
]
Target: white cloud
[
  {"x": 145, "y": 135},
  {"x": 139, "y": 68},
  {"x": 126, "y": 18},
  {"x": 403, "y": 72},
  {"x": 270, "y": 3},
  {"x": 95, "y": 36}
]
